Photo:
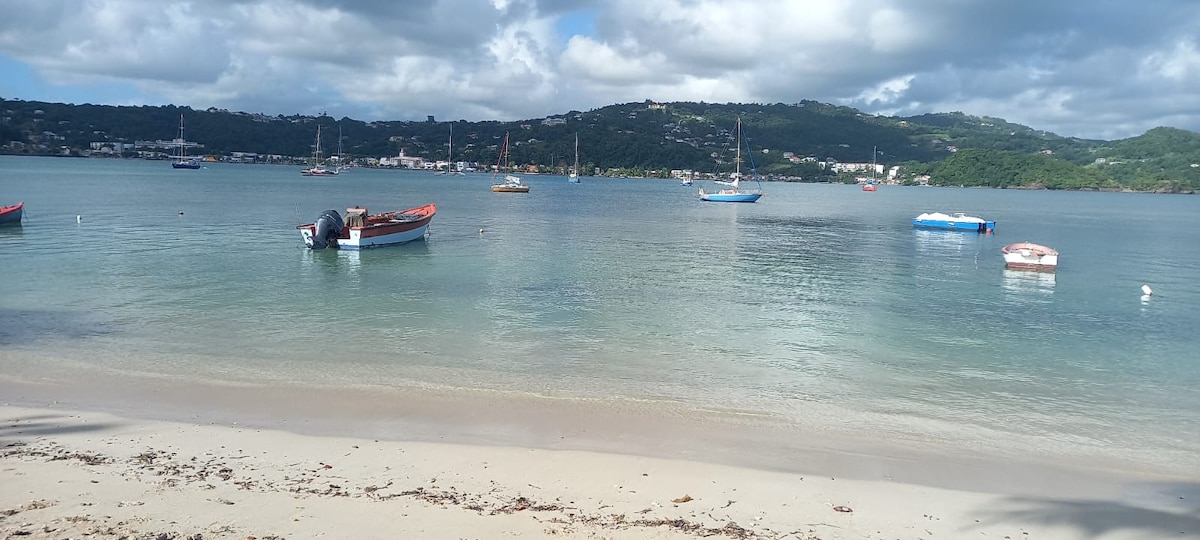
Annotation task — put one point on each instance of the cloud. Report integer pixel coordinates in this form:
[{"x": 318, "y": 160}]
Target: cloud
[{"x": 1102, "y": 69}]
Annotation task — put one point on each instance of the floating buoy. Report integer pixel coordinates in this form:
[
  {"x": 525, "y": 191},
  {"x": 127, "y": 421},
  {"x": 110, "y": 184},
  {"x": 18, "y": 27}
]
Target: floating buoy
[
  {"x": 181, "y": 212},
  {"x": 78, "y": 218},
  {"x": 1146, "y": 290},
  {"x": 480, "y": 231}
]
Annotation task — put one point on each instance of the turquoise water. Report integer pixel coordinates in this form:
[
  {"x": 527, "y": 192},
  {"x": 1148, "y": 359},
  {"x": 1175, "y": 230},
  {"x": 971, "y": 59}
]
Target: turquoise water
[{"x": 818, "y": 304}]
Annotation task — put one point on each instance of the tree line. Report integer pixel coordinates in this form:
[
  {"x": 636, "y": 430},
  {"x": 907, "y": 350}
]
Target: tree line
[{"x": 782, "y": 140}]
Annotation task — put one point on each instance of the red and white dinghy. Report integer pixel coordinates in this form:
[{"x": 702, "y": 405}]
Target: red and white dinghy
[
  {"x": 362, "y": 230},
  {"x": 1030, "y": 256}
]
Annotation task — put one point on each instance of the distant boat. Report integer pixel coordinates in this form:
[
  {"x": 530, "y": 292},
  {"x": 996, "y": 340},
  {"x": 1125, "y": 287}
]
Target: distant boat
[
  {"x": 954, "y": 222},
  {"x": 1030, "y": 256},
  {"x": 870, "y": 185},
  {"x": 12, "y": 214},
  {"x": 341, "y": 158},
  {"x": 509, "y": 182},
  {"x": 361, "y": 230},
  {"x": 734, "y": 195},
  {"x": 449, "y": 158},
  {"x": 181, "y": 159},
  {"x": 317, "y": 169},
  {"x": 574, "y": 176},
  {"x": 686, "y": 181}
]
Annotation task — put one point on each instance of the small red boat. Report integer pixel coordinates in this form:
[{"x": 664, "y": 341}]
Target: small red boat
[{"x": 11, "y": 214}]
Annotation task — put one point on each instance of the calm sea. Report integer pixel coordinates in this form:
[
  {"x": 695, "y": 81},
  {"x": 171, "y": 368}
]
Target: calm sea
[{"x": 820, "y": 303}]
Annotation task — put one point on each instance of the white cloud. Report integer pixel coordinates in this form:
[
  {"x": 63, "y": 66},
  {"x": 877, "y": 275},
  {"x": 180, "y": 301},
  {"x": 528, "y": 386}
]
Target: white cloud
[
  {"x": 885, "y": 93},
  {"x": 1179, "y": 64},
  {"x": 1105, "y": 69}
]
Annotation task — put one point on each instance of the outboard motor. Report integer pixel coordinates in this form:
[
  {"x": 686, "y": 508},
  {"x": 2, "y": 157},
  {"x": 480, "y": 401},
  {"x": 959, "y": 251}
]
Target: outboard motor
[{"x": 329, "y": 228}]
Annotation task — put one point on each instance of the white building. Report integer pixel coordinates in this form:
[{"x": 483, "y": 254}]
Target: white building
[{"x": 402, "y": 161}]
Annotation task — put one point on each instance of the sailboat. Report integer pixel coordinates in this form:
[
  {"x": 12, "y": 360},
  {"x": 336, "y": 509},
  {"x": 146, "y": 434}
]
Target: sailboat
[
  {"x": 449, "y": 158},
  {"x": 181, "y": 160},
  {"x": 870, "y": 185},
  {"x": 734, "y": 195},
  {"x": 574, "y": 176},
  {"x": 341, "y": 156},
  {"x": 317, "y": 169},
  {"x": 510, "y": 183}
]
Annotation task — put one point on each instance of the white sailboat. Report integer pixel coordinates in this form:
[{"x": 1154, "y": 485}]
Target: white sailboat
[
  {"x": 341, "y": 166},
  {"x": 450, "y": 157},
  {"x": 734, "y": 195},
  {"x": 317, "y": 169},
  {"x": 510, "y": 183},
  {"x": 574, "y": 176},
  {"x": 181, "y": 160}
]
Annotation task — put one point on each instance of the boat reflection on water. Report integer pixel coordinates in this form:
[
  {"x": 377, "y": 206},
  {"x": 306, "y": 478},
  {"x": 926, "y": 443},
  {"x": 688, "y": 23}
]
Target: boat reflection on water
[
  {"x": 349, "y": 262},
  {"x": 1025, "y": 282},
  {"x": 11, "y": 229},
  {"x": 939, "y": 240}
]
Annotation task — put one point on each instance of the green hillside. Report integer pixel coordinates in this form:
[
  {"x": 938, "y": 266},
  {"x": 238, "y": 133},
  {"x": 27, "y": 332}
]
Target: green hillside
[{"x": 788, "y": 141}]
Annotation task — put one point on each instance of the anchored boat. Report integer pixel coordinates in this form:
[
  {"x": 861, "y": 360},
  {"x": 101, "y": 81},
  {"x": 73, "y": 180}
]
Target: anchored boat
[
  {"x": 1030, "y": 256},
  {"x": 510, "y": 183},
  {"x": 735, "y": 194},
  {"x": 361, "y": 230},
  {"x": 12, "y": 214},
  {"x": 957, "y": 221}
]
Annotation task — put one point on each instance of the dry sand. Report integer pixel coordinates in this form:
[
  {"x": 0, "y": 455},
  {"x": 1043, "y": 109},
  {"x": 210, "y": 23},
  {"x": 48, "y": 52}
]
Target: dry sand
[{"x": 70, "y": 474}]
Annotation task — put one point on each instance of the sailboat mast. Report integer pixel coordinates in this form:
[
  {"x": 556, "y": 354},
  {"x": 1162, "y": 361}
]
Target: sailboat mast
[
  {"x": 502, "y": 159},
  {"x": 738, "y": 161},
  {"x": 182, "y": 141},
  {"x": 874, "y": 152}
]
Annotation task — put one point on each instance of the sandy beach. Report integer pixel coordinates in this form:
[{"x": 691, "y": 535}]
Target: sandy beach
[{"x": 75, "y": 474}]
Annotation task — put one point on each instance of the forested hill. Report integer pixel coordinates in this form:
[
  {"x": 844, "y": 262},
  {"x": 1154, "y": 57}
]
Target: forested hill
[{"x": 787, "y": 141}]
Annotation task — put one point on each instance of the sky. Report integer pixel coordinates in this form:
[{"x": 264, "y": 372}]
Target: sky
[{"x": 1097, "y": 69}]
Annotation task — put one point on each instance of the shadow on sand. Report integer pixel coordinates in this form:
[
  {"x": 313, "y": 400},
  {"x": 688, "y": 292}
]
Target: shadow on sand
[
  {"x": 32, "y": 427},
  {"x": 1175, "y": 513}
]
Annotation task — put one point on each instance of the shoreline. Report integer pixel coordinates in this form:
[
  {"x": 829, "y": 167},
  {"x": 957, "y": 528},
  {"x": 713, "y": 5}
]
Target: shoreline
[
  {"x": 70, "y": 473},
  {"x": 1122, "y": 189},
  {"x": 654, "y": 429}
]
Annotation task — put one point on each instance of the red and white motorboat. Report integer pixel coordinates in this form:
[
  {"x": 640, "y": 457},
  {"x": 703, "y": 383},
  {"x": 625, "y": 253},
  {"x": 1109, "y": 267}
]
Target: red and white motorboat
[{"x": 361, "y": 230}]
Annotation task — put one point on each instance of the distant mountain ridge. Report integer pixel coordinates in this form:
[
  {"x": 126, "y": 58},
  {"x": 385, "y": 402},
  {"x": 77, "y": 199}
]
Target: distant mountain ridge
[{"x": 789, "y": 141}]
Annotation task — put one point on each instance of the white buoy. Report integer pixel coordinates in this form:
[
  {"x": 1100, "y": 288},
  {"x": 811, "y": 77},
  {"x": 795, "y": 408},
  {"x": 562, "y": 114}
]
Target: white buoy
[
  {"x": 1146, "y": 290},
  {"x": 480, "y": 231},
  {"x": 78, "y": 219}
]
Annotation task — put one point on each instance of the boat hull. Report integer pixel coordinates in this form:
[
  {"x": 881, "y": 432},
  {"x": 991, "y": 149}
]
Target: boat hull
[
  {"x": 510, "y": 189},
  {"x": 12, "y": 214},
  {"x": 729, "y": 197},
  {"x": 318, "y": 172},
  {"x": 869, "y": 187},
  {"x": 951, "y": 225},
  {"x": 380, "y": 230},
  {"x": 185, "y": 165},
  {"x": 1040, "y": 264}
]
